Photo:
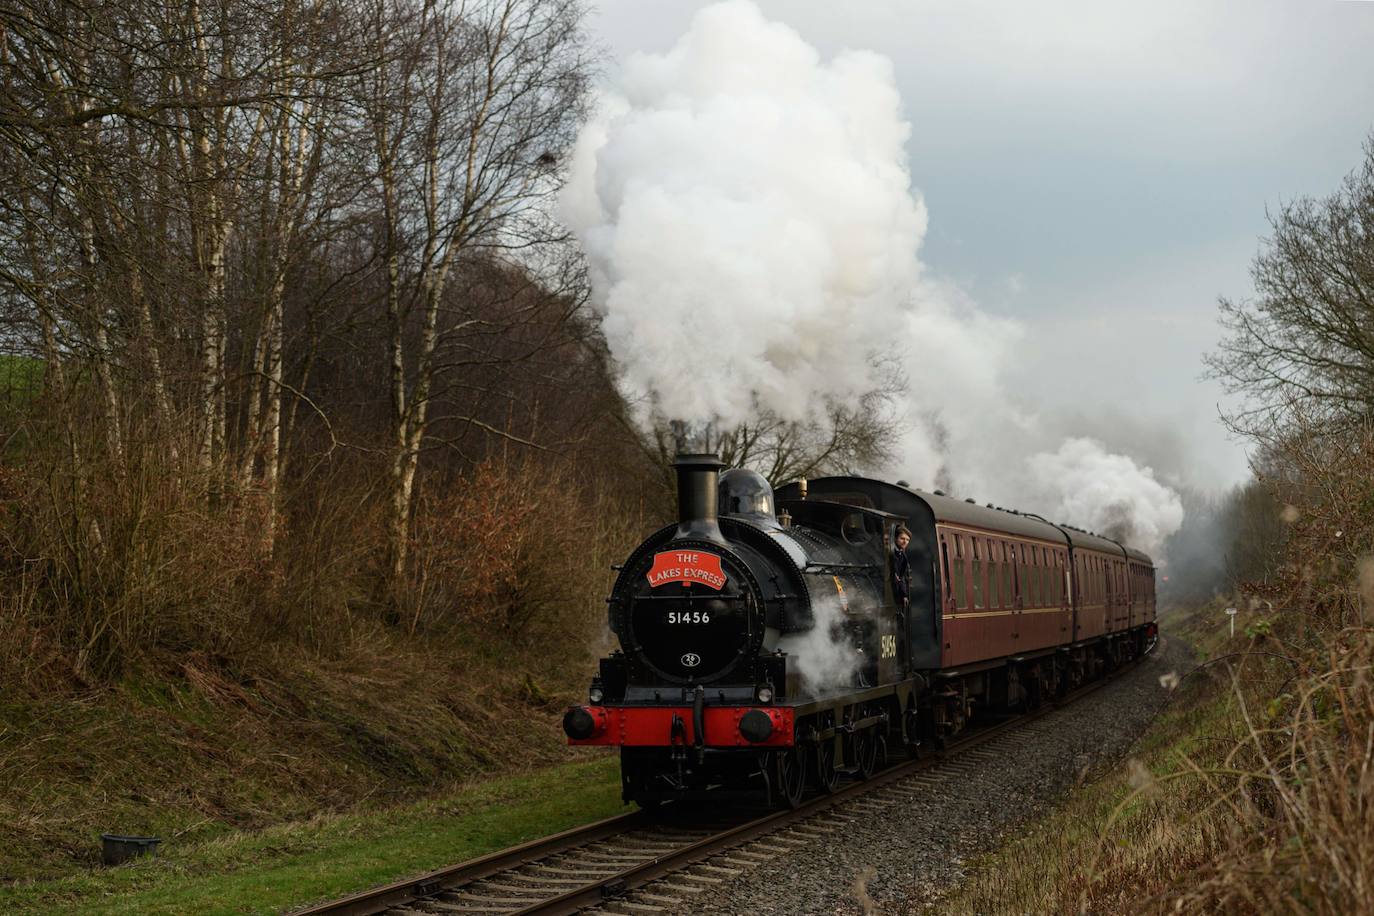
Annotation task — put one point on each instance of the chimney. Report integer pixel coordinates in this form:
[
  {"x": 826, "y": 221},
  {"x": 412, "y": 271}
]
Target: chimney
[{"x": 696, "y": 496}]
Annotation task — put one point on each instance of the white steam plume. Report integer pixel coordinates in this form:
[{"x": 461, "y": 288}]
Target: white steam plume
[
  {"x": 748, "y": 218},
  {"x": 752, "y": 236},
  {"x": 823, "y": 656}
]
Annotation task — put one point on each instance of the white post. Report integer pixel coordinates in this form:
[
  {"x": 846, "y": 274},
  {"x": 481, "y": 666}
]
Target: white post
[{"x": 1231, "y": 612}]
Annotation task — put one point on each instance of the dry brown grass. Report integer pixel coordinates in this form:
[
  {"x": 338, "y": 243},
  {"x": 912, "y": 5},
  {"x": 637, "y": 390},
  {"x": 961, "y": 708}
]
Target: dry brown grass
[
  {"x": 162, "y": 670},
  {"x": 1280, "y": 791},
  {"x": 188, "y": 746},
  {"x": 1290, "y": 802},
  {"x": 1293, "y": 798}
]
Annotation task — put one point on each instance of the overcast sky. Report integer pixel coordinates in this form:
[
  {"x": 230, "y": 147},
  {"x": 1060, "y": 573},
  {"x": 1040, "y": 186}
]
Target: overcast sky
[{"x": 1100, "y": 172}]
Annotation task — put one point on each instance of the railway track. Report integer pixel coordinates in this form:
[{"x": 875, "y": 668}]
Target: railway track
[{"x": 618, "y": 865}]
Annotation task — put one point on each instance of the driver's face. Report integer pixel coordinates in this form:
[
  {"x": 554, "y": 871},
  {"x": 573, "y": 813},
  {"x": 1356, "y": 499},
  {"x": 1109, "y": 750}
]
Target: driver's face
[{"x": 902, "y": 541}]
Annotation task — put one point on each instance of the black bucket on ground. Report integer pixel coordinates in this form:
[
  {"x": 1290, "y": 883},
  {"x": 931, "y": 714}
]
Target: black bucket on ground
[{"x": 115, "y": 849}]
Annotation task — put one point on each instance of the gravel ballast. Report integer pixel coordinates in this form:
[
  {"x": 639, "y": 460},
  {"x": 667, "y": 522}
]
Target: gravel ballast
[{"x": 907, "y": 845}]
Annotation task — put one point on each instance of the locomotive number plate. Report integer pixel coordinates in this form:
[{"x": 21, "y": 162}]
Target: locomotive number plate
[{"x": 689, "y": 616}]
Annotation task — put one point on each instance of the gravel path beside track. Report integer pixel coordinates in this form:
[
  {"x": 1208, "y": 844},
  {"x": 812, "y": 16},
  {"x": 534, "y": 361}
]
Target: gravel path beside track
[{"x": 917, "y": 846}]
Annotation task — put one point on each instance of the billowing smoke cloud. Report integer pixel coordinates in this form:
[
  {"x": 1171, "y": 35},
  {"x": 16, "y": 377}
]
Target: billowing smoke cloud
[
  {"x": 752, "y": 235},
  {"x": 748, "y": 218},
  {"x": 1108, "y": 493},
  {"x": 824, "y": 656}
]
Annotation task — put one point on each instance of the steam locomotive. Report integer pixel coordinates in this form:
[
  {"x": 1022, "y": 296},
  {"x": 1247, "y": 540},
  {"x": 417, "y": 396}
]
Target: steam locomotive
[{"x": 763, "y": 648}]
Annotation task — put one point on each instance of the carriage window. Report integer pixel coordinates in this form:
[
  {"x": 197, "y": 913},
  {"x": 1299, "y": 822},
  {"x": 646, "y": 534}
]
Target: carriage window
[
  {"x": 977, "y": 574},
  {"x": 1004, "y": 577},
  {"x": 944, "y": 558},
  {"x": 995, "y": 597},
  {"x": 960, "y": 593},
  {"x": 1008, "y": 593}
]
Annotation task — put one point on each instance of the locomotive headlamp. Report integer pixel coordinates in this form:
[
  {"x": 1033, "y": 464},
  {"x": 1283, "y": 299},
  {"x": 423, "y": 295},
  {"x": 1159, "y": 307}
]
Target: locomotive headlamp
[
  {"x": 596, "y": 695},
  {"x": 765, "y": 694}
]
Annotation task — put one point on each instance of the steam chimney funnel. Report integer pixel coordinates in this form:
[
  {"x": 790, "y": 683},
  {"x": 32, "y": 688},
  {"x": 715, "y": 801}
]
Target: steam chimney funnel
[{"x": 696, "y": 496}]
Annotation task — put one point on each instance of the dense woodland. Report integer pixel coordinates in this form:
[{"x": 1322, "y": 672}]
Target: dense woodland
[{"x": 292, "y": 337}]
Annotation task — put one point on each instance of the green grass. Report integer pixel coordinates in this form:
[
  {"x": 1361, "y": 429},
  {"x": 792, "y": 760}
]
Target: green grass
[{"x": 292, "y": 864}]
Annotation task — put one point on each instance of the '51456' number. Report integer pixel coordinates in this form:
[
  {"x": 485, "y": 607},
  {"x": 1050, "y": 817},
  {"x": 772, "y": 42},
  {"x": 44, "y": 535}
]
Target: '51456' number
[{"x": 689, "y": 616}]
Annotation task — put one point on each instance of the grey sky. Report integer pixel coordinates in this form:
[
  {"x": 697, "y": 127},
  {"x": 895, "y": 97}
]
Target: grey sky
[{"x": 1100, "y": 171}]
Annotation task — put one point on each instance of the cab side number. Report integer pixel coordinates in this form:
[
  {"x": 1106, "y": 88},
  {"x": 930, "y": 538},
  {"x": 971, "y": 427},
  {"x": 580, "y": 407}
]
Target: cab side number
[{"x": 889, "y": 646}]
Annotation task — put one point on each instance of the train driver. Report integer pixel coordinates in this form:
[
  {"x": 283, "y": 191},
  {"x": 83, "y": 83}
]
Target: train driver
[{"x": 901, "y": 567}]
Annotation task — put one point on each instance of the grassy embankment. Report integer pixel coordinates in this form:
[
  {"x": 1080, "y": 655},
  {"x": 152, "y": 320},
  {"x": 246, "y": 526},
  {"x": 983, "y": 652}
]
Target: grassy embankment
[
  {"x": 297, "y": 780},
  {"x": 328, "y": 856},
  {"x": 163, "y": 674},
  {"x": 1122, "y": 840}
]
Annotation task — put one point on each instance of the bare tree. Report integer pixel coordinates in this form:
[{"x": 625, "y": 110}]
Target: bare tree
[
  {"x": 841, "y": 440},
  {"x": 1306, "y": 342},
  {"x": 468, "y": 115}
]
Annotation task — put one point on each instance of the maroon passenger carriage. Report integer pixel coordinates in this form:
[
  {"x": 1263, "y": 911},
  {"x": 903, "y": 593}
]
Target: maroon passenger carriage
[{"x": 716, "y": 614}]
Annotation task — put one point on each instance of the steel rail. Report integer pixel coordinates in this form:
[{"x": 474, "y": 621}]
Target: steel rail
[
  {"x": 410, "y": 890},
  {"x": 606, "y": 888}
]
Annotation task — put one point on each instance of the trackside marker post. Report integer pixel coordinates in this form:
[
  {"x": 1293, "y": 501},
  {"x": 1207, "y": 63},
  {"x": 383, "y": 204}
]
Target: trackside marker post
[{"x": 1231, "y": 612}]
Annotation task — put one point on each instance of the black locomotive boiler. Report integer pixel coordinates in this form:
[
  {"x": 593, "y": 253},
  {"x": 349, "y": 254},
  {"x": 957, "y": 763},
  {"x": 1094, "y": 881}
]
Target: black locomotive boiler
[{"x": 762, "y": 647}]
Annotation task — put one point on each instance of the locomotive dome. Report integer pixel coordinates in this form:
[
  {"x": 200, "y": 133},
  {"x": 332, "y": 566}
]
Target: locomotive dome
[{"x": 746, "y": 493}]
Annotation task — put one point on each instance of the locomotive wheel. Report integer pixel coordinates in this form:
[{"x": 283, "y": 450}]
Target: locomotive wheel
[
  {"x": 826, "y": 774},
  {"x": 866, "y": 747},
  {"x": 913, "y": 732},
  {"x": 789, "y": 772}
]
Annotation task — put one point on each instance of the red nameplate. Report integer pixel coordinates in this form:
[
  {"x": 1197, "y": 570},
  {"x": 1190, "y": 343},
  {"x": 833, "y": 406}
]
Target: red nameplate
[{"x": 689, "y": 566}]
